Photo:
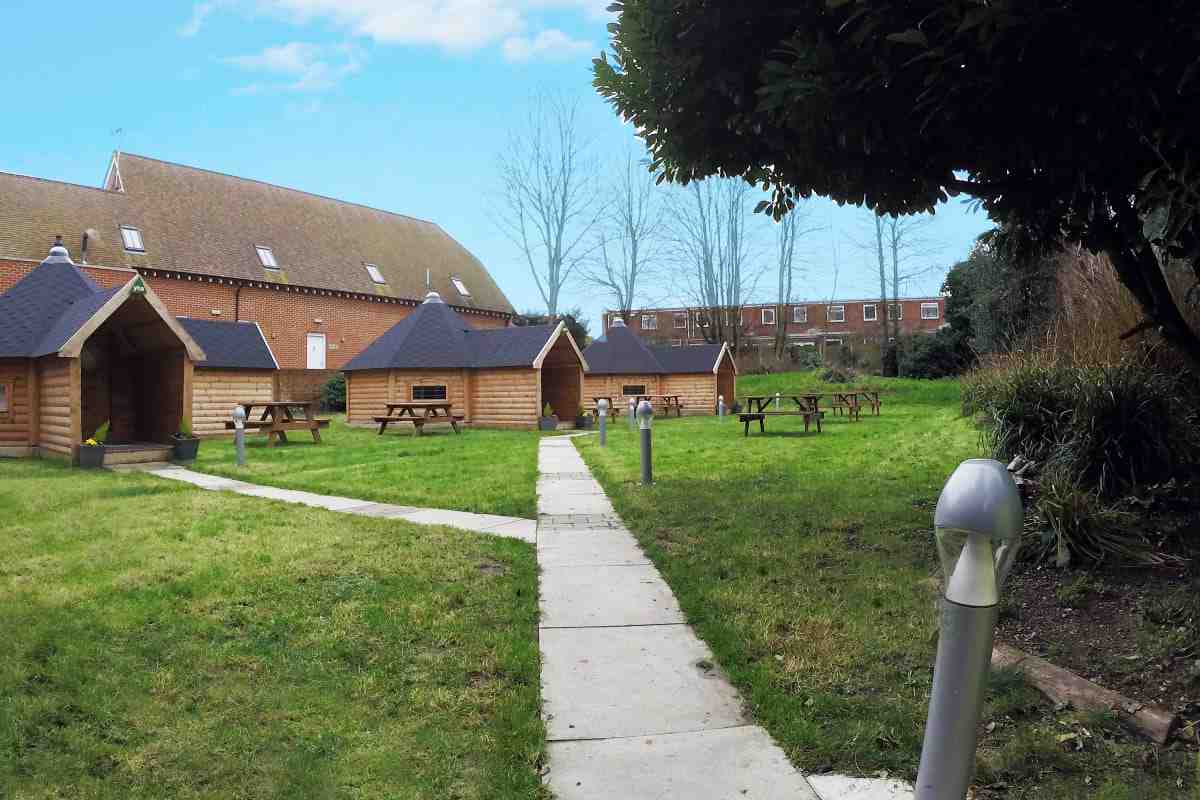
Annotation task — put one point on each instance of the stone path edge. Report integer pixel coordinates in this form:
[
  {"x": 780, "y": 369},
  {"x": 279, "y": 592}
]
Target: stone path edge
[{"x": 490, "y": 524}]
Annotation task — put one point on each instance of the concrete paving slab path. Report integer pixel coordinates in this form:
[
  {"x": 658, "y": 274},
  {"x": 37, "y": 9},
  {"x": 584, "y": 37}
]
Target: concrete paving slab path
[
  {"x": 634, "y": 702},
  {"x": 491, "y": 524}
]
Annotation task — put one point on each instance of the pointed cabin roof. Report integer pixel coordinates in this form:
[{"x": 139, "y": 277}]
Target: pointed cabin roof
[
  {"x": 57, "y": 306},
  {"x": 620, "y": 351},
  {"x": 434, "y": 336}
]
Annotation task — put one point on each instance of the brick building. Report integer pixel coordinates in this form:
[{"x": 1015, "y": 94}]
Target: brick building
[
  {"x": 321, "y": 277},
  {"x": 809, "y": 324}
]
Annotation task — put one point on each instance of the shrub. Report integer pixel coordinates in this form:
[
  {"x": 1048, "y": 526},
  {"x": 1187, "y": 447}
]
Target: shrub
[
  {"x": 937, "y": 355},
  {"x": 806, "y": 358},
  {"x": 101, "y": 434},
  {"x": 333, "y": 393},
  {"x": 1109, "y": 428},
  {"x": 838, "y": 375},
  {"x": 547, "y": 411},
  {"x": 1083, "y": 528}
]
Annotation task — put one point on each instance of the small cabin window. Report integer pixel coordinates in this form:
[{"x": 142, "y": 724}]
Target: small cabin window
[
  {"x": 633, "y": 389},
  {"x": 429, "y": 392},
  {"x": 132, "y": 239},
  {"x": 6, "y": 399}
]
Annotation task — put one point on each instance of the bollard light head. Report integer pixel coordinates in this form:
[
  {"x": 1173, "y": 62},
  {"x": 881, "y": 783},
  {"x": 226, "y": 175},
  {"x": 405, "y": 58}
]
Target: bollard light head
[
  {"x": 239, "y": 414},
  {"x": 978, "y": 528},
  {"x": 602, "y": 407},
  {"x": 645, "y": 414}
]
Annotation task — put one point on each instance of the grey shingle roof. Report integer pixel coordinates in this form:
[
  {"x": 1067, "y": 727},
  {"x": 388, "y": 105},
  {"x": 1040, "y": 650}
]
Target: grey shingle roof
[
  {"x": 693, "y": 358},
  {"x": 46, "y": 307},
  {"x": 229, "y": 345},
  {"x": 622, "y": 352},
  {"x": 435, "y": 337}
]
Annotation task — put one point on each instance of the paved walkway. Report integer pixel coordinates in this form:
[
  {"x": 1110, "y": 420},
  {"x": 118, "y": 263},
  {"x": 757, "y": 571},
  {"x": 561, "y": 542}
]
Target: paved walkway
[
  {"x": 514, "y": 527},
  {"x": 635, "y": 705}
]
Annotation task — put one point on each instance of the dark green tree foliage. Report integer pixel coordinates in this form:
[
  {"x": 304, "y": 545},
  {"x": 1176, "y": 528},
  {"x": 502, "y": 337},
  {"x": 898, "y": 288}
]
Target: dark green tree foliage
[
  {"x": 577, "y": 324},
  {"x": 1074, "y": 120},
  {"x": 1000, "y": 299},
  {"x": 333, "y": 393}
]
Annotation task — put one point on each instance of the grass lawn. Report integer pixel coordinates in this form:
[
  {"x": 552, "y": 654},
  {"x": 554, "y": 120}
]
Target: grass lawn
[
  {"x": 485, "y": 471},
  {"x": 805, "y": 561},
  {"x": 160, "y": 641}
]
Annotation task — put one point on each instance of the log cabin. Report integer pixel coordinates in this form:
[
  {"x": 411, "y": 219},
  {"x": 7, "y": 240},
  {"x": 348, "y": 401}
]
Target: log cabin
[
  {"x": 238, "y": 367},
  {"x": 494, "y": 378},
  {"x": 74, "y": 356},
  {"x": 621, "y": 365}
]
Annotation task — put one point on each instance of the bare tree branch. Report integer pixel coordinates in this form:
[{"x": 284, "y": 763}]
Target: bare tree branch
[{"x": 548, "y": 202}]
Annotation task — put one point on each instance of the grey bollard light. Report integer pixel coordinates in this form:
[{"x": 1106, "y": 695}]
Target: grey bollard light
[
  {"x": 978, "y": 528},
  {"x": 632, "y": 412},
  {"x": 602, "y": 413},
  {"x": 645, "y": 414},
  {"x": 777, "y": 401},
  {"x": 721, "y": 406},
  {"x": 239, "y": 434}
]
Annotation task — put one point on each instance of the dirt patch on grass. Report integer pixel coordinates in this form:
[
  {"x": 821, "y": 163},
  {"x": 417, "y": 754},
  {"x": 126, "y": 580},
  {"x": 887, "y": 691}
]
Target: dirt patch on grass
[
  {"x": 1137, "y": 633},
  {"x": 490, "y": 567}
]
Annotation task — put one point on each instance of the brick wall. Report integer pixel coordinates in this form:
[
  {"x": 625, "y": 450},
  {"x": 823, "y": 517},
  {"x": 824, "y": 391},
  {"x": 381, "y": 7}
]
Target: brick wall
[
  {"x": 661, "y": 325},
  {"x": 349, "y": 324}
]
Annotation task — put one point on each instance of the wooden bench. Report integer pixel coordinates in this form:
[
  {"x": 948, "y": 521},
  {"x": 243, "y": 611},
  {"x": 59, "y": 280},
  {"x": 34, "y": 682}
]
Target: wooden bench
[
  {"x": 761, "y": 418},
  {"x": 419, "y": 423}
]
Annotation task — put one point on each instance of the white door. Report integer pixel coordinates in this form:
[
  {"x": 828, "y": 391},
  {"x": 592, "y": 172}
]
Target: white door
[{"x": 316, "y": 351}]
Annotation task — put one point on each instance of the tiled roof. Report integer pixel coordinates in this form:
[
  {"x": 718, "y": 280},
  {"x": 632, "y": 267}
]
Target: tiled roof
[
  {"x": 435, "y": 337},
  {"x": 693, "y": 358},
  {"x": 622, "y": 352},
  {"x": 46, "y": 307},
  {"x": 230, "y": 345},
  {"x": 196, "y": 221}
]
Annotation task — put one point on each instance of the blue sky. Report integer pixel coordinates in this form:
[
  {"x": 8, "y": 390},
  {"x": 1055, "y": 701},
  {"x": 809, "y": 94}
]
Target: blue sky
[{"x": 398, "y": 104}]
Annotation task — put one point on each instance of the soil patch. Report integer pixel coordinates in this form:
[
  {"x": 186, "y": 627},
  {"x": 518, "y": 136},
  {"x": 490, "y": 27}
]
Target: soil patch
[{"x": 1136, "y": 632}]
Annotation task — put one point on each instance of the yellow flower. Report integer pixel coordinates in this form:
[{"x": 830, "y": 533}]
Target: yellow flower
[{"x": 92, "y": 443}]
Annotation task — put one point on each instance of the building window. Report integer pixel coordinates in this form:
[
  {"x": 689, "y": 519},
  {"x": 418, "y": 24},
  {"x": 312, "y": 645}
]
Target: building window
[
  {"x": 870, "y": 314},
  {"x": 6, "y": 399},
  {"x": 677, "y": 343},
  {"x": 833, "y": 342},
  {"x": 132, "y": 239},
  {"x": 836, "y": 314},
  {"x": 649, "y": 322},
  {"x": 895, "y": 311},
  {"x": 929, "y": 311},
  {"x": 702, "y": 320},
  {"x": 460, "y": 287},
  {"x": 768, "y": 316},
  {"x": 375, "y": 274},
  {"x": 429, "y": 393},
  {"x": 681, "y": 320},
  {"x": 633, "y": 389},
  {"x": 800, "y": 314},
  {"x": 267, "y": 257}
]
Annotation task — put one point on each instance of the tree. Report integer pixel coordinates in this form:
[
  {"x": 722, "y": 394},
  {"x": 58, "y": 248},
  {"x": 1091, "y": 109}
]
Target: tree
[
  {"x": 1062, "y": 117},
  {"x": 628, "y": 237},
  {"x": 577, "y": 323},
  {"x": 901, "y": 239},
  {"x": 548, "y": 204},
  {"x": 787, "y": 233},
  {"x": 711, "y": 218}
]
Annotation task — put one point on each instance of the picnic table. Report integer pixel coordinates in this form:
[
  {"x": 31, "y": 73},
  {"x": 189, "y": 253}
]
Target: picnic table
[
  {"x": 420, "y": 413},
  {"x": 871, "y": 397},
  {"x": 665, "y": 402},
  {"x": 280, "y": 416},
  {"x": 614, "y": 409},
  {"x": 758, "y": 409}
]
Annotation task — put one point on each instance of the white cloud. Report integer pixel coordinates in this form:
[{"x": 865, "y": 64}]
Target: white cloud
[
  {"x": 299, "y": 67},
  {"x": 200, "y": 12},
  {"x": 551, "y": 45},
  {"x": 451, "y": 25}
]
